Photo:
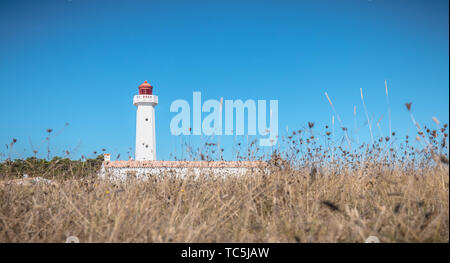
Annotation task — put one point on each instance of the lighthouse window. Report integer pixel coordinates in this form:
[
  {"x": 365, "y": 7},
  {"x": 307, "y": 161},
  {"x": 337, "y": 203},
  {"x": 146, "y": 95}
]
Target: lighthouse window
[
  {"x": 146, "y": 119},
  {"x": 146, "y": 146}
]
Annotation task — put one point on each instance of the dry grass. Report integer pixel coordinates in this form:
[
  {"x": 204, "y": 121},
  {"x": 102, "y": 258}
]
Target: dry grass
[
  {"x": 286, "y": 206},
  {"x": 317, "y": 191}
]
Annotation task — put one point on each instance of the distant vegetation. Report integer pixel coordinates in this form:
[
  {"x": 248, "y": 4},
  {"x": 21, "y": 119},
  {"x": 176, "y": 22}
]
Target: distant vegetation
[{"x": 56, "y": 168}]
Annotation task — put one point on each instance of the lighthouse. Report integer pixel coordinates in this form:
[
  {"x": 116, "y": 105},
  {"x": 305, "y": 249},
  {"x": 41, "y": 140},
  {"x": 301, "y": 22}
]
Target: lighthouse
[
  {"x": 145, "y": 162},
  {"x": 145, "y": 123}
]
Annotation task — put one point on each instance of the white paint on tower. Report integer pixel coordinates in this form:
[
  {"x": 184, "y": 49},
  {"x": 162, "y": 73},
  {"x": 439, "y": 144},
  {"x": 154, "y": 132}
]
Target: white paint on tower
[{"x": 145, "y": 123}]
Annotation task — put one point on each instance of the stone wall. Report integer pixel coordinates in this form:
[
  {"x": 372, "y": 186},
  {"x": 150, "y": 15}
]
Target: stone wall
[{"x": 144, "y": 169}]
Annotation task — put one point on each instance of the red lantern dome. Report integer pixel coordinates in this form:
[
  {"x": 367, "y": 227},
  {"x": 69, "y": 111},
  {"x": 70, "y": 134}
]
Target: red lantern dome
[{"x": 145, "y": 88}]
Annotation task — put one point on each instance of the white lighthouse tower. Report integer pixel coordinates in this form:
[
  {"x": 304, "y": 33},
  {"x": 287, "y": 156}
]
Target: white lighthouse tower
[{"x": 145, "y": 123}]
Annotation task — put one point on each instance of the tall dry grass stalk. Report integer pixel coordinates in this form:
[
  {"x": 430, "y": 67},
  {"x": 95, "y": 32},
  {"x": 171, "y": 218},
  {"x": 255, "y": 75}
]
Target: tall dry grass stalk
[
  {"x": 367, "y": 116},
  {"x": 340, "y": 121},
  {"x": 389, "y": 107},
  {"x": 419, "y": 129},
  {"x": 355, "y": 125}
]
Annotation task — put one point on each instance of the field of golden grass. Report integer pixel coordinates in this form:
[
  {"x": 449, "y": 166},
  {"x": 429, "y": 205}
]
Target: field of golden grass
[
  {"x": 300, "y": 205},
  {"x": 317, "y": 191}
]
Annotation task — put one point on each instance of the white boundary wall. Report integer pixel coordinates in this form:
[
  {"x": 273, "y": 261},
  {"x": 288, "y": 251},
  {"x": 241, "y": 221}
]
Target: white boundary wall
[{"x": 122, "y": 173}]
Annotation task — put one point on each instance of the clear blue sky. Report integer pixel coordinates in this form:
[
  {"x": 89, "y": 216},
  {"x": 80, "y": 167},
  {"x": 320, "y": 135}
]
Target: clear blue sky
[{"x": 80, "y": 62}]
